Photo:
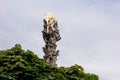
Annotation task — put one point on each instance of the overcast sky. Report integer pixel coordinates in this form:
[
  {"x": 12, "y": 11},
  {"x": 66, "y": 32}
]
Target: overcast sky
[{"x": 90, "y": 31}]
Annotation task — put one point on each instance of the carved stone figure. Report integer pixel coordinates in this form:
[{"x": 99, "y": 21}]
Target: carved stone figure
[{"x": 51, "y": 36}]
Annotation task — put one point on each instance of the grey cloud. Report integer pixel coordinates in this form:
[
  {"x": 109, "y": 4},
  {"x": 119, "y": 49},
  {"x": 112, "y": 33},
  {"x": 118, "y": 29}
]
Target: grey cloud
[{"x": 89, "y": 30}]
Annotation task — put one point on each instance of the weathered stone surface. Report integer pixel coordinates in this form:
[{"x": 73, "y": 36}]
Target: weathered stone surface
[{"x": 51, "y": 36}]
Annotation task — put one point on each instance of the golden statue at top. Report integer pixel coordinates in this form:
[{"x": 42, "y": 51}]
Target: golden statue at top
[{"x": 50, "y": 19}]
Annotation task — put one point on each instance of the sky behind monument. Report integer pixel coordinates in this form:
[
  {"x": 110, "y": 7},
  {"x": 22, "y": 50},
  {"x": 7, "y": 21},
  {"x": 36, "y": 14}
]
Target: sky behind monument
[{"x": 90, "y": 31}]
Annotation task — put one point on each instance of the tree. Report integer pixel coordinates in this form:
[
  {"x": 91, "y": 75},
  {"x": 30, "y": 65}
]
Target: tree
[{"x": 18, "y": 64}]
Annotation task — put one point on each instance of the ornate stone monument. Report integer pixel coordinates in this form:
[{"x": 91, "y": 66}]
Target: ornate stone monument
[{"x": 51, "y": 36}]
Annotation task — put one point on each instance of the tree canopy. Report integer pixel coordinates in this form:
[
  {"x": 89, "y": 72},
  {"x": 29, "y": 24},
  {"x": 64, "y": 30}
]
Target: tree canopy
[{"x": 18, "y": 64}]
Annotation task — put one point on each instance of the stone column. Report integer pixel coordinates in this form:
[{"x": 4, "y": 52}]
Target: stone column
[{"x": 51, "y": 36}]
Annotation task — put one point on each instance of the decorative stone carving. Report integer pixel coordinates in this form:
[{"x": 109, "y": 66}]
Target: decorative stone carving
[{"x": 51, "y": 36}]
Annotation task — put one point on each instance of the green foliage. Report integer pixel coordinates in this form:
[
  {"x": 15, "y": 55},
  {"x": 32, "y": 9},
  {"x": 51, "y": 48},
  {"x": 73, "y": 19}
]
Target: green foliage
[{"x": 18, "y": 64}]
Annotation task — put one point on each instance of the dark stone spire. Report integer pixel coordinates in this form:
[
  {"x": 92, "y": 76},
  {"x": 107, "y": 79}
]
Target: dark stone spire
[{"x": 51, "y": 36}]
